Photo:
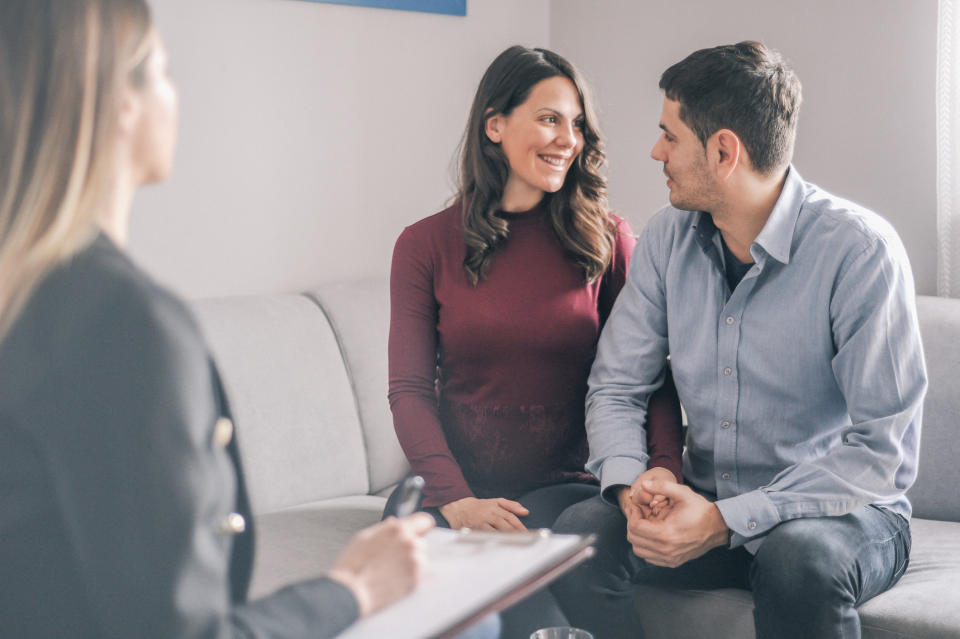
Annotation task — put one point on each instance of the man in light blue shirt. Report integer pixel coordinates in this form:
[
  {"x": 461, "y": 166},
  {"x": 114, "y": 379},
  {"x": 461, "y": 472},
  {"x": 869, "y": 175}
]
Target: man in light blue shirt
[{"x": 788, "y": 318}]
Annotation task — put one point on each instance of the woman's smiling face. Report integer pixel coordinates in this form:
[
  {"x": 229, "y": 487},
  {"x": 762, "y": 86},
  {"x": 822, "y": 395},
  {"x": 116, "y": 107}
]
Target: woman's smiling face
[{"x": 541, "y": 138}]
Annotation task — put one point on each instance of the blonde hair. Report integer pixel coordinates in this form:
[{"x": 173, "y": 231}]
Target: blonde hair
[{"x": 62, "y": 65}]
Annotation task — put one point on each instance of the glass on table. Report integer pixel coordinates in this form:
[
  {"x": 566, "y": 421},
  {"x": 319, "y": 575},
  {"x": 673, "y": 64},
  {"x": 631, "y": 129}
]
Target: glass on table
[{"x": 561, "y": 632}]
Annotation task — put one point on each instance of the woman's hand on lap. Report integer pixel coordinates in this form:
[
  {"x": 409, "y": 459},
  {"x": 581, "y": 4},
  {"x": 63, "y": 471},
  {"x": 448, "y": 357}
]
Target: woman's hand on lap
[{"x": 485, "y": 514}]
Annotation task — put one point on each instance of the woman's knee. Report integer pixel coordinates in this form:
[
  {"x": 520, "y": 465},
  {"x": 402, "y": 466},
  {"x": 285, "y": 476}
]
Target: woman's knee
[
  {"x": 547, "y": 504},
  {"x": 591, "y": 516},
  {"x": 596, "y": 517}
]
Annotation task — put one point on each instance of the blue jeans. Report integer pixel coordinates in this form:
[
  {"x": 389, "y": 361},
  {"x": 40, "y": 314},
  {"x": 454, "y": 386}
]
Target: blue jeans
[
  {"x": 807, "y": 577},
  {"x": 486, "y": 628}
]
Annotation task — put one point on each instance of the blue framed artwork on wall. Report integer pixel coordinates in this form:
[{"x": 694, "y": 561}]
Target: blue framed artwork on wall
[{"x": 449, "y": 7}]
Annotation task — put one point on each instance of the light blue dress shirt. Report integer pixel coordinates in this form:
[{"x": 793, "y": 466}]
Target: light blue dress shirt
[{"x": 803, "y": 387}]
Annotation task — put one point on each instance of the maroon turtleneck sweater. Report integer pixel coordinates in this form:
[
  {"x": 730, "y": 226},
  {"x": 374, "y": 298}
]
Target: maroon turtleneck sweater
[{"x": 487, "y": 383}]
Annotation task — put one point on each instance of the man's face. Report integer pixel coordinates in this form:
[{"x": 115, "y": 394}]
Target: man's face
[{"x": 692, "y": 185}]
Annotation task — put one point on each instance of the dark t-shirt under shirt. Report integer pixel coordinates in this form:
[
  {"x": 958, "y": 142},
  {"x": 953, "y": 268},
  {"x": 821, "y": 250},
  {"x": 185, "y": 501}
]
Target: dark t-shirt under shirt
[{"x": 734, "y": 268}]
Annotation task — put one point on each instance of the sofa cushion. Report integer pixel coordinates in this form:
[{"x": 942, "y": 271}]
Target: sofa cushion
[
  {"x": 297, "y": 425},
  {"x": 359, "y": 313},
  {"x": 925, "y": 603},
  {"x": 302, "y": 542},
  {"x": 935, "y": 494}
]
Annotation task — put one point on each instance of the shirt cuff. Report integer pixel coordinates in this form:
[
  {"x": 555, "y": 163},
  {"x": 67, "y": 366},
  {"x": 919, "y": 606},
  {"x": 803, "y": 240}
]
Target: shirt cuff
[
  {"x": 618, "y": 471},
  {"x": 748, "y": 515}
]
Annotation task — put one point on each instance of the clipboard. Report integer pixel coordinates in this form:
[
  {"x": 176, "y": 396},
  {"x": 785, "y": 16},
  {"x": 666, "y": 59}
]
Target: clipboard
[{"x": 470, "y": 575}]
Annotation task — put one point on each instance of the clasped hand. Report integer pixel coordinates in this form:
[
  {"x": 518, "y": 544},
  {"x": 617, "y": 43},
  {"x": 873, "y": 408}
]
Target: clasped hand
[{"x": 668, "y": 524}]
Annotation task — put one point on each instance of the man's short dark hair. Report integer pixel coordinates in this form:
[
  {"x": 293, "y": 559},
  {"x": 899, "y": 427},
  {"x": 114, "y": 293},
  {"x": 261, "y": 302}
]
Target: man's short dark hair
[{"x": 744, "y": 87}]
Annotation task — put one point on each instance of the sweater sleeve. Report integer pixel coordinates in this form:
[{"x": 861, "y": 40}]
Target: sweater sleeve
[
  {"x": 413, "y": 372},
  {"x": 664, "y": 418},
  {"x": 624, "y": 242},
  {"x": 665, "y": 428}
]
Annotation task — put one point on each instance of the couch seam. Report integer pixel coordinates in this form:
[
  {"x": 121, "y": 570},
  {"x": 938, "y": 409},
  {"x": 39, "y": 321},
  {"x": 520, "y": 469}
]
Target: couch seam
[
  {"x": 314, "y": 299},
  {"x": 711, "y": 594},
  {"x": 892, "y": 633}
]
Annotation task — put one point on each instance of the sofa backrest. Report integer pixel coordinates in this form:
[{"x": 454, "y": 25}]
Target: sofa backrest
[
  {"x": 936, "y": 494},
  {"x": 307, "y": 379},
  {"x": 359, "y": 313},
  {"x": 297, "y": 423}
]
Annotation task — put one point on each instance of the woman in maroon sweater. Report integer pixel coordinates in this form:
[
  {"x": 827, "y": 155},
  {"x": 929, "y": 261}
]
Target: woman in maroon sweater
[{"x": 497, "y": 303}]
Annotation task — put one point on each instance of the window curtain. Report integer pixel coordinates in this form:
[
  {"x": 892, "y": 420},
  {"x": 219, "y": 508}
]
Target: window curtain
[{"x": 948, "y": 149}]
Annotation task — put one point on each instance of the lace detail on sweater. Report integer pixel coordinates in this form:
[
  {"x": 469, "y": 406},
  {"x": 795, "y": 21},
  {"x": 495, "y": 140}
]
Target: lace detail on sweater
[{"x": 505, "y": 451}]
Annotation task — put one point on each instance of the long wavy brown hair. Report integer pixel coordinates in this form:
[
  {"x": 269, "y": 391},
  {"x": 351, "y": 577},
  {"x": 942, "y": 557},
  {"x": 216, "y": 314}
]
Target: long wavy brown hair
[{"x": 578, "y": 211}]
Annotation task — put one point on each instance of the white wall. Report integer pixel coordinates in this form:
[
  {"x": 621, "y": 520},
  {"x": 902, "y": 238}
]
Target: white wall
[
  {"x": 867, "y": 126},
  {"x": 310, "y": 135}
]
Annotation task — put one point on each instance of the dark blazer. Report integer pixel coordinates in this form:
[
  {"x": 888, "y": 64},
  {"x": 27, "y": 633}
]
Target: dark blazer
[{"x": 118, "y": 473}]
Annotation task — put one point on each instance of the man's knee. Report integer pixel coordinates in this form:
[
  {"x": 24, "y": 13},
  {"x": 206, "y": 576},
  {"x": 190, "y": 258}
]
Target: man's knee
[{"x": 801, "y": 556}]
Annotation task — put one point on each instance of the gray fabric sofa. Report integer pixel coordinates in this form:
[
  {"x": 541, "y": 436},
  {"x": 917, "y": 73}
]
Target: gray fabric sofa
[{"x": 307, "y": 377}]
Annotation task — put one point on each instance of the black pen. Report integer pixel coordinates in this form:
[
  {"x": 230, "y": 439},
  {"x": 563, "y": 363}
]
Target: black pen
[{"x": 409, "y": 496}]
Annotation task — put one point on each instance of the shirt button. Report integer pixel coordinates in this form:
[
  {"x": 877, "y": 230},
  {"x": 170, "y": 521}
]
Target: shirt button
[
  {"x": 223, "y": 432},
  {"x": 751, "y": 525},
  {"x": 725, "y": 424},
  {"x": 729, "y": 320},
  {"x": 727, "y": 371},
  {"x": 725, "y": 476},
  {"x": 234, "y": 524}
]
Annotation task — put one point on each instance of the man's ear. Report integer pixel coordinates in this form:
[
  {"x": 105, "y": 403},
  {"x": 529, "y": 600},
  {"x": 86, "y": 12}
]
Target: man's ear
[
  {"x": 726, "y": 150},
  {"x": 494, "y": 127}
]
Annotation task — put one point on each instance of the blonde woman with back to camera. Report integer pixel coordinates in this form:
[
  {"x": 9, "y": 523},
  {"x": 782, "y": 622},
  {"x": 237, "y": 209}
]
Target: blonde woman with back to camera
[{"x": 112, "y": 486}]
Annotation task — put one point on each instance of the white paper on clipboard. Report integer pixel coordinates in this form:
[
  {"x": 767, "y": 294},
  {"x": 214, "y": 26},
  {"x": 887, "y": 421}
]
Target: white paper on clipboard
[{"x": 466, "y": 579}]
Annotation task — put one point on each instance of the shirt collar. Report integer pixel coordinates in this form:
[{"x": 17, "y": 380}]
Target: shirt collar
[{"x": 776, "y": 236}]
